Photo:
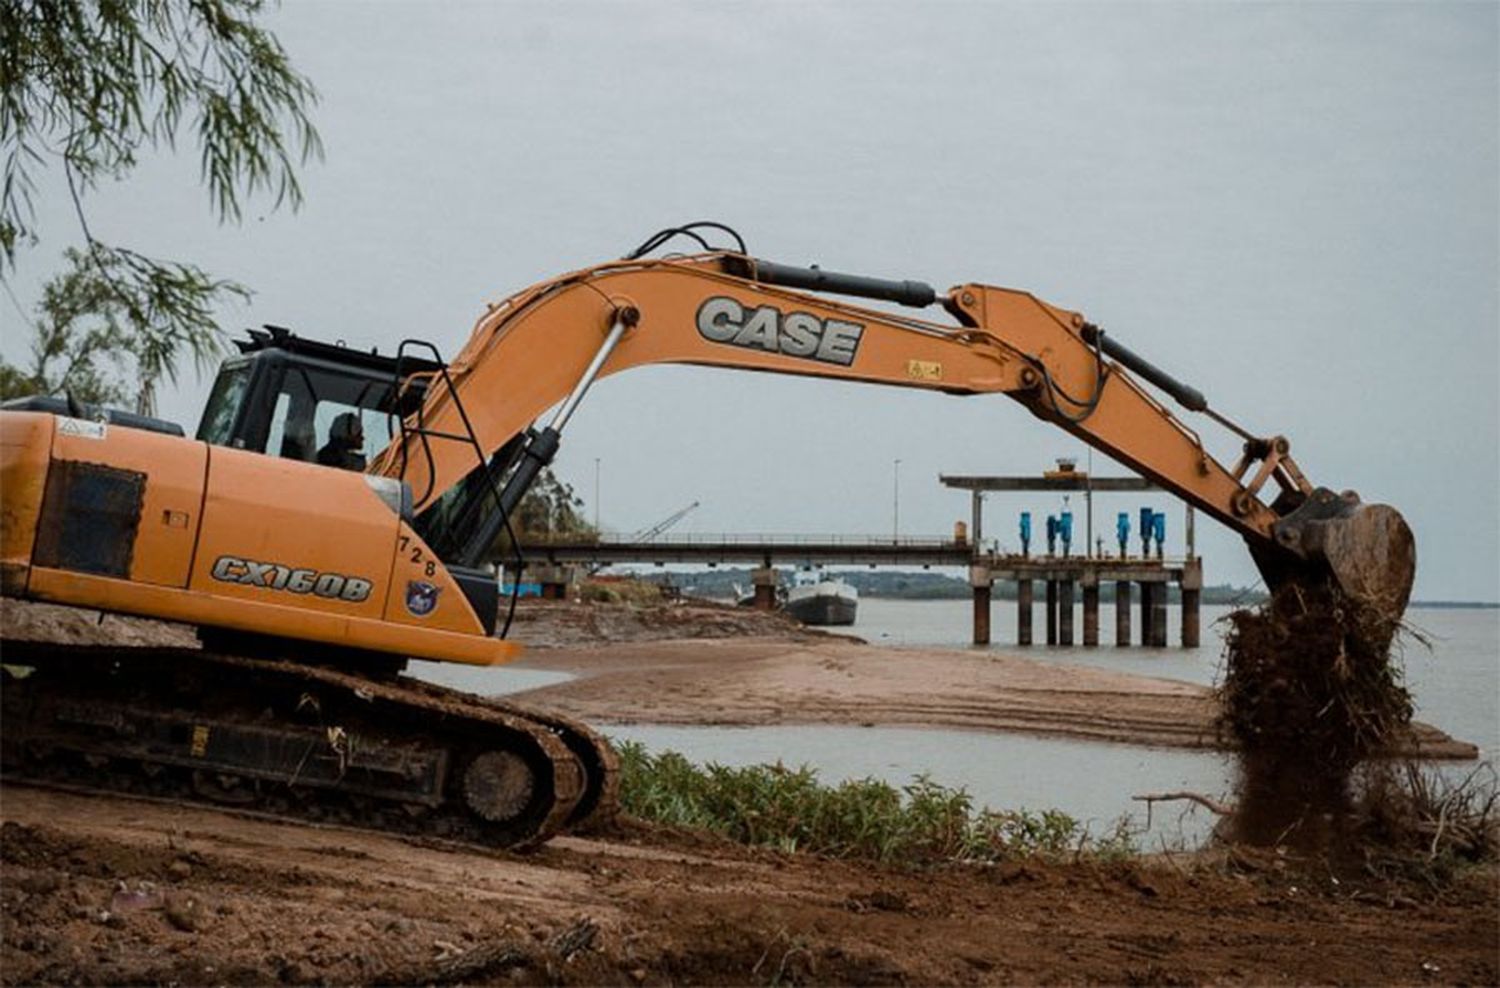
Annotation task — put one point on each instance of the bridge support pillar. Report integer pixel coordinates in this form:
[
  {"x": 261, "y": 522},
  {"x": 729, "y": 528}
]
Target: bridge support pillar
[
  {"x": 1147, "y": 612},
  {"x": 1023, "y": 611},
  {"x": 764, "y": 580},
  {"x": 1090, "y": 611},
  {"x": 981, "y": 582},
  {"x": 1065, "y": 612},
  {"x": 554, "y": 580},
  {"x": 1051, "y": 612},
  {"x": 1122, "y": 613},
  {"x": 1190, "y": 628},
  {"x": 1158, "y": 615},
  {"x": 1192, "y": 595}
]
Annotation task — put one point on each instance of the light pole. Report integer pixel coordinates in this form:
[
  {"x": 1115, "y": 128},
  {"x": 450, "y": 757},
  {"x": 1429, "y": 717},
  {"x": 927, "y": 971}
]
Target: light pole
[
  {"x": 1088, "y": 504},
  {"x": 596, "y": 496},
  {"x": 896, "y": 501}
]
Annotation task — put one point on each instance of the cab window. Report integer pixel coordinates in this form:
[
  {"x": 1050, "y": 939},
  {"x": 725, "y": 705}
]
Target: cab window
[
  {"x": 338, "y": 415},
  {"x": 217, "y": 425}
]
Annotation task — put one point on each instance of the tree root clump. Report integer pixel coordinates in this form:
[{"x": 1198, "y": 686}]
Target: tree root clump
[{"x": 1310, "y": 690}]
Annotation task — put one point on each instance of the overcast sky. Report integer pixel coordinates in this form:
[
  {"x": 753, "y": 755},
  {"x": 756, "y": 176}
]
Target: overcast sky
[{"x": 1294, "y": 208}]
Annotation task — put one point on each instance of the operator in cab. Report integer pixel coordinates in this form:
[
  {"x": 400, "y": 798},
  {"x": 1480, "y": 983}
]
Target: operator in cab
[{"x": 346, "y": 444}]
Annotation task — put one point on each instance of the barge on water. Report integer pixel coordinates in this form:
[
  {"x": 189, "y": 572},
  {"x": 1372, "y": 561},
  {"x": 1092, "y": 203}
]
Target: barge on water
[{"x": 815, "y": 598}]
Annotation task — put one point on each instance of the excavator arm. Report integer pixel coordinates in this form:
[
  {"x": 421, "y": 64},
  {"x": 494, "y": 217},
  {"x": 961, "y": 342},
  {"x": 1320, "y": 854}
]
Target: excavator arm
[{"x": 544, "y": 346}]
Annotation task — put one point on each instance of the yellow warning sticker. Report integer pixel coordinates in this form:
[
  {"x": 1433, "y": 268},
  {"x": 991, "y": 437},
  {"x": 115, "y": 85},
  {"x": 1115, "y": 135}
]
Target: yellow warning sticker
[
  {"x": 200, "y": 740},
  {"x": 924, "y": 370}
]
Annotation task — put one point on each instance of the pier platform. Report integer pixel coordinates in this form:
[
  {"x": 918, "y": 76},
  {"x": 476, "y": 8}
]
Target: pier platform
[{"x": 1065, "y": 579}]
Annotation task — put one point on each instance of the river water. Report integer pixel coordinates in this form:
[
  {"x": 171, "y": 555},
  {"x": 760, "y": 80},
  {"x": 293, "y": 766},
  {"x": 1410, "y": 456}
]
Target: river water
[{"x": 1456, "y": 683}]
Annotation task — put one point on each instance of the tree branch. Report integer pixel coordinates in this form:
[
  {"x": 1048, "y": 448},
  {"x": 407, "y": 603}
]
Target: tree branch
[{"x": 1212, "y": 805}]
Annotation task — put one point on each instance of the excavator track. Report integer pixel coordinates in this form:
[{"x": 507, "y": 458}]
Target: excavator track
[
  {"x": 600, "y": 801},
  {"x": 298, "y": 741}
]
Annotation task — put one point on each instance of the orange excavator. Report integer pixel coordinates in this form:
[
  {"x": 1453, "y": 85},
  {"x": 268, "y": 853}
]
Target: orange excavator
[{"x": 313, "y": 575}]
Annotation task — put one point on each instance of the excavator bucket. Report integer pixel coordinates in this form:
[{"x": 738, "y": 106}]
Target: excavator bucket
[{"x": 1367, "y": 549}]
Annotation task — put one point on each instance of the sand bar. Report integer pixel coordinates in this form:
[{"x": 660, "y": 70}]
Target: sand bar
[{"x": 764, "y": 681}]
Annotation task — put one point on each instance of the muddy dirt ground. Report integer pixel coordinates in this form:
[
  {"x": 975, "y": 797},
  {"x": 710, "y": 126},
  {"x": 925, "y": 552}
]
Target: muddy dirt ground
[
  {"x": 118, "y": 891},
  {"x": 540, "y": 624},
  {"x": 111, "y": 890}
]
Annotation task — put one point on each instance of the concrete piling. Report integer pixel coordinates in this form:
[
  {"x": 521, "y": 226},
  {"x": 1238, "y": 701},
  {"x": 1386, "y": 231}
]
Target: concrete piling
[
  {"x": 981, "y": 615},
  {"x": 1192, "y": 597},
  {"x": 980, "y": 581},
  {"x": 1065, "y": 612},
  {"x": 1190, "y": 636},
  {"x": 1122, "y": 613},
  {"x": 554, "y": 580},
  {"x": 1091, "y": 615},
  {"x": 764, "y": 581},
  {"x": 1146, "y": 612},
  {"x": 1023, "y": 612},
  {"x": 1062, "y": 575},
  {"x": 1159, "y": 615}
]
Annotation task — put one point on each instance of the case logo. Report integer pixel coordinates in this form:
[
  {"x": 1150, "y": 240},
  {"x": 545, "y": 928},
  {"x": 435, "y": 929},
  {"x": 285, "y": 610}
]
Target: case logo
[
  {"x": 275, "y": 576},
  {"x": 421, "y": 597},
  {"x": 796, "y": 334}
]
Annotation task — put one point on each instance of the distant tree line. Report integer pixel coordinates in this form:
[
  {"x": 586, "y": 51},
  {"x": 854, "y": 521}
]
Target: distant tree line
[{"x": 927, "y": 585}]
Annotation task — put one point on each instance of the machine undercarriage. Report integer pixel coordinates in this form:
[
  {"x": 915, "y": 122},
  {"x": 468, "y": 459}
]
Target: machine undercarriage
[{"x": 300, "y": 741}]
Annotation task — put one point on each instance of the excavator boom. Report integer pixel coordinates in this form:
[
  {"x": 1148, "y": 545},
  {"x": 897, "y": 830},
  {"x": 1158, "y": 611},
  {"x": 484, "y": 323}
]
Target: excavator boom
[{"x": 542, "y": 347}]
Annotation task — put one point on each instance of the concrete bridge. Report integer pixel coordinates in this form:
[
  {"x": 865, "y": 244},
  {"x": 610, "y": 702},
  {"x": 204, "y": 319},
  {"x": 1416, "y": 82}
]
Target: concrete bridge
[
  {"x": 755, "y": 550},
  {"x": 549, "y": 563},
  {"x": 1063, "y": 576}
]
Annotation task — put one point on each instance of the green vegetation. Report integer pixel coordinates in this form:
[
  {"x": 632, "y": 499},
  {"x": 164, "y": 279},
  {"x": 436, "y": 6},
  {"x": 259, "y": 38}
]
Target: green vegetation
[
  {"x": 636, "y": 593},
  {"x": 550, "y": 509},
  {"x": 1411, "y": 820},
  {"x": 771, "y": 805},
  {"x": 91, "y": 341},
  {"x": 87, "y": 87}
]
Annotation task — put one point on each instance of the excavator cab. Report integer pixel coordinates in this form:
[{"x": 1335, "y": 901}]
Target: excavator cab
[
  {"x": 291, "y": 397},
  {"x": 287, "y": 396}
]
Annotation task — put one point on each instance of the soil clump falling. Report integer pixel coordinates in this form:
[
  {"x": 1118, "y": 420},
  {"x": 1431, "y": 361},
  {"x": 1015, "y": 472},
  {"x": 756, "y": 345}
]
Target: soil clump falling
[{"x": 1311, "y": 689}]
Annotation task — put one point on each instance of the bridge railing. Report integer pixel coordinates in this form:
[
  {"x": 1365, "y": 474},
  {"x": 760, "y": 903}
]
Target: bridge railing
[
  {"x": 621, "y": 539},
  {"x": 1002, "y": 559}
]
